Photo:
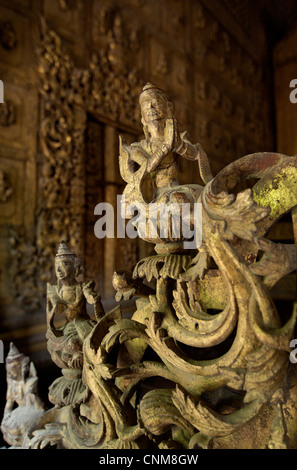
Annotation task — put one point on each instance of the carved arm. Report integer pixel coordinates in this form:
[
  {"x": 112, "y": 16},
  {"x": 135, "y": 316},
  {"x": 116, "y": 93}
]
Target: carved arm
[
  {"x": 278, "y": 261},
  {"x": 93, "y": 297},
  {"x": 194, "y": 152}
]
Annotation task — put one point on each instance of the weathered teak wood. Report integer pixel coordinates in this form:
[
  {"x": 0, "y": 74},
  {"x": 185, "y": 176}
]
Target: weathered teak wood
[{"x": 221, "y": 350}]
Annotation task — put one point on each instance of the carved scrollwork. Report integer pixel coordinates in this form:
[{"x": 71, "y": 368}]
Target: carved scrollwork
[
  {"x": 8, "y": 37},
  {"x": 204, "y": 321},
  {"x": 23, "y": 273}
]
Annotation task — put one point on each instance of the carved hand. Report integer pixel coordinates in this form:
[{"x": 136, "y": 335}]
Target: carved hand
[
  {"x": 167, "y": 146},
  {"x": 157, "y": 157},
  {"x": 89, "y": 292}
]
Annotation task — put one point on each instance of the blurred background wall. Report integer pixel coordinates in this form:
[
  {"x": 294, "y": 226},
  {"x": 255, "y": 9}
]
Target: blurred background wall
[{"x": 72, "y": 71}]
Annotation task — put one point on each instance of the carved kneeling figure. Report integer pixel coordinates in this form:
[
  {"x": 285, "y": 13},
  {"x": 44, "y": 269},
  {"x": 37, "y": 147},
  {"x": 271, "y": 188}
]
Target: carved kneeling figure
[{"x": 19, "y": 422}]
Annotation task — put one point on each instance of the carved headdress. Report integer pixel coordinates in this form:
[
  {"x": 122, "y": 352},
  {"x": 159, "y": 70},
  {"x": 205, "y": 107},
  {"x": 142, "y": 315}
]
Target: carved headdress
[
  {"x": 16, "y": 360},
  {"x": 13, "y": 354},
  {"x": 150, "y": 89},
  {"x": 63, "y": 250}
]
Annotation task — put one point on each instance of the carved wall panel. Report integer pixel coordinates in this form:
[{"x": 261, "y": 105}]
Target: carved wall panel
[
  {"x": 231, "y": 86},
  {"x": 66, "y": 15},
  {"x": 94, "y": 248},
  {"x": 105, "y": 92},
  {"x": 12, "y": 175},
  {"x": 13, "y": 112}
]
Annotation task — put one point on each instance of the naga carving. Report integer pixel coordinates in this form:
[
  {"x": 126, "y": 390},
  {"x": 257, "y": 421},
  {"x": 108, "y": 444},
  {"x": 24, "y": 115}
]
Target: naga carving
[{"x": 205, "y": 354}]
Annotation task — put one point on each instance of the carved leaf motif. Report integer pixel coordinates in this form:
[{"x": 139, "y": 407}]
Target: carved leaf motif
[
  {"x": 123, "y": 330},
  {"x": 97, "y": 360},
  {"x": 162, "y": 266},
  {"x": 125, "y": 295},
  {"x": 157, "y": 413},
  {"x": 278, "y": 433},
  {"x": 208, "y": 421},
  {"x": 187, "y": 311},
  {"x": 52, "y": 434},
  {"x": 147, "y": 268},
  {"x": 209, "y": 329},
  {"x": 265, "y": 374},
  {"x": 153, "y": 330},
  {"x": 272, "y": 336},
  {"x": 240, "y": 213},
  {"x": 197, "y": 267}
]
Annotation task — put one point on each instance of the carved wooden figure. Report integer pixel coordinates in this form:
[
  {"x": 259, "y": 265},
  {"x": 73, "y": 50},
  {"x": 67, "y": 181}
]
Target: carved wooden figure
[
  {"x": 24, "y": 409},
  {"x": 65, "y": 344}
]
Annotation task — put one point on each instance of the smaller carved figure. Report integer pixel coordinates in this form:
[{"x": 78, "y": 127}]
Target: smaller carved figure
[
  {"x": 65, "y": 343},
  {"x": 20, "y": 421}
]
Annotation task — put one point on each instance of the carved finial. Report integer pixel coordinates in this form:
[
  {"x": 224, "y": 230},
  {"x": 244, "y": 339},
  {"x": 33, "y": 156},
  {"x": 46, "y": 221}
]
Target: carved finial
[
  {"x": 149, "y": 88},
  {"x": 13, "y": 354},
  {"x": 63, "y": 250}
]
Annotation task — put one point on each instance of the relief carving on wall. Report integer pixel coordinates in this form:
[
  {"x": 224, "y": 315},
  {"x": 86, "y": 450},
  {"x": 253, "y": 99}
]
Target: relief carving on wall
[
  {"x": 106, "y": 89},
  {"x": 8, "y": 37},
  {"x": 26, "y": 281},
  {"x": 234, "y": 77},
  {"x": 7, "y": 113}
]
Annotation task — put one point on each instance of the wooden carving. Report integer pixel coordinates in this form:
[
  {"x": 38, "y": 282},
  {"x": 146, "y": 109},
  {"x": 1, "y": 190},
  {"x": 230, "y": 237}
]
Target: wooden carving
[
  {"x": 206, "y": 352},
  {"x": 24, "y": 409},
  {"x": 65, "y": 344}
]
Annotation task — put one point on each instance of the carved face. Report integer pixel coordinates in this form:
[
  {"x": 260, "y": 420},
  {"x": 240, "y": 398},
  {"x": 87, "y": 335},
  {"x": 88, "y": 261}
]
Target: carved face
[
  {"x": 65, "y": 268},
  {"x": 16, "y": 370},
  {"x": 153, "y": 107},
  {"x": 13, "y": 371}
]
